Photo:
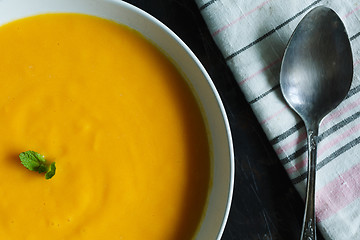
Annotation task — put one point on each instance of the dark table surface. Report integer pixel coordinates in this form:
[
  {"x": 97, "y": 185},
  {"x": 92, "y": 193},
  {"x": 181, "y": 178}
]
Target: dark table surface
[{"x": 265, "y": 205}]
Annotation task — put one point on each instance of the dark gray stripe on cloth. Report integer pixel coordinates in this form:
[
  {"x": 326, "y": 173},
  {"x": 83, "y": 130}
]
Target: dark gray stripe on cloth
[
  {"x": 322, "y": 136},
  {"x": 328, "y": 159},
  {"x": 231, "y": 56},
  {"x": 300, "y": 124},
  {"x": 206, "y": 5},
  {"x": 277, "y": 86}
]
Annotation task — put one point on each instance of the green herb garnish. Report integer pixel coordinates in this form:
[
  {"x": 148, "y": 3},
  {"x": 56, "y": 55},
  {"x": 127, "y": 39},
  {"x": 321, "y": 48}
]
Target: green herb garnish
[
  {"x": 36, "y": 162},
  {"x": 51, "y": 172}
]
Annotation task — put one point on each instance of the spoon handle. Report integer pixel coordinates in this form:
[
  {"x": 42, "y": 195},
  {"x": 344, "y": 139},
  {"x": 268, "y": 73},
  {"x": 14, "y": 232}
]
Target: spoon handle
[{"x": 309, "y": 224}]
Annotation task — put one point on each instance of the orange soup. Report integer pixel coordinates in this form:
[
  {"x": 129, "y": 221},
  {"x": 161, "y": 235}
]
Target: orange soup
[{"x": 123, "y": 127}]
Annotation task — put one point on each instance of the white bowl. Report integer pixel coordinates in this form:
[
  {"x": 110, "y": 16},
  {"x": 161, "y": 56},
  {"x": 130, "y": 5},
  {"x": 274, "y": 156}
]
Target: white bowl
[{"x": 220, "y": 195}]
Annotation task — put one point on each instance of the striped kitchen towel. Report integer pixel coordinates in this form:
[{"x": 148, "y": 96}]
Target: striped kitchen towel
[{"x": 252, "y": 36}]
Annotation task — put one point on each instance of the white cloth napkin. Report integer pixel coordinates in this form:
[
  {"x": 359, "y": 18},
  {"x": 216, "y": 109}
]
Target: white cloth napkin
[{"x": 252, "y": 36}]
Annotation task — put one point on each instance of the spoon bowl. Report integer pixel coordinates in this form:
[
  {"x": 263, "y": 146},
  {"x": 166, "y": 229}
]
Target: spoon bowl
[
  {"x": 315, "y": 77},
  {"x": 317, "y": 67}
]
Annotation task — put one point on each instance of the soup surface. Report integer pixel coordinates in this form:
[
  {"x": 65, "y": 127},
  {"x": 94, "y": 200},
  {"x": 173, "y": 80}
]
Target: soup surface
[{"x": 120, "y": 122}]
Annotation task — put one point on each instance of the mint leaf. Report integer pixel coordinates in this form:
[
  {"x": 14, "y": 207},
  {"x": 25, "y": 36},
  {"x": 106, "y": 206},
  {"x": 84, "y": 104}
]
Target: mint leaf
[
  {"x": 33, "y": 161},
  {"x": 36, "y": 162},
  {"x": 51, "y": 172}
]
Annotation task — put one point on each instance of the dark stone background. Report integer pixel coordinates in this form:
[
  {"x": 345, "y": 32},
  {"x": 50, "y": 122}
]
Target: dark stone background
[{"x": 265, "y": 204}]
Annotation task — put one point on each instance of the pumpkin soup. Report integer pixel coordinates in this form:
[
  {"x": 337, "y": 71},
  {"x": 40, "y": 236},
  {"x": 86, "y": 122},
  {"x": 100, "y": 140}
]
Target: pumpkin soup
[{"x": 128, "y": 138}]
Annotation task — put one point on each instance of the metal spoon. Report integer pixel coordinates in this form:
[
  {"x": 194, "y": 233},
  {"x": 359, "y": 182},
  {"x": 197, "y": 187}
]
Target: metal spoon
[{"x": 316, "y": 74}]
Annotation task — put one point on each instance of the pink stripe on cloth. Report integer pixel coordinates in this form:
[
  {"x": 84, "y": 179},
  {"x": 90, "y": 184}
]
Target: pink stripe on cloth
[
  {"x": 329, "y": 145},
  {"x": 260, "y": 71},
  {"x": 340, "y": 112},
  {"x": 302, "y": 137},
  {"x": 327, "y": 119},
  {"x": 351, "y": 12},
  {"x": 239, "y": 18},
  {"x": 274, "y": 115},
  {"x": 291, "y": 144},
  {"x": 357, "y": 62},
  {"x": 297, "y": 166},
  {"x": 338, "y": 193},
  {"x": 336, "y": 140}
]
